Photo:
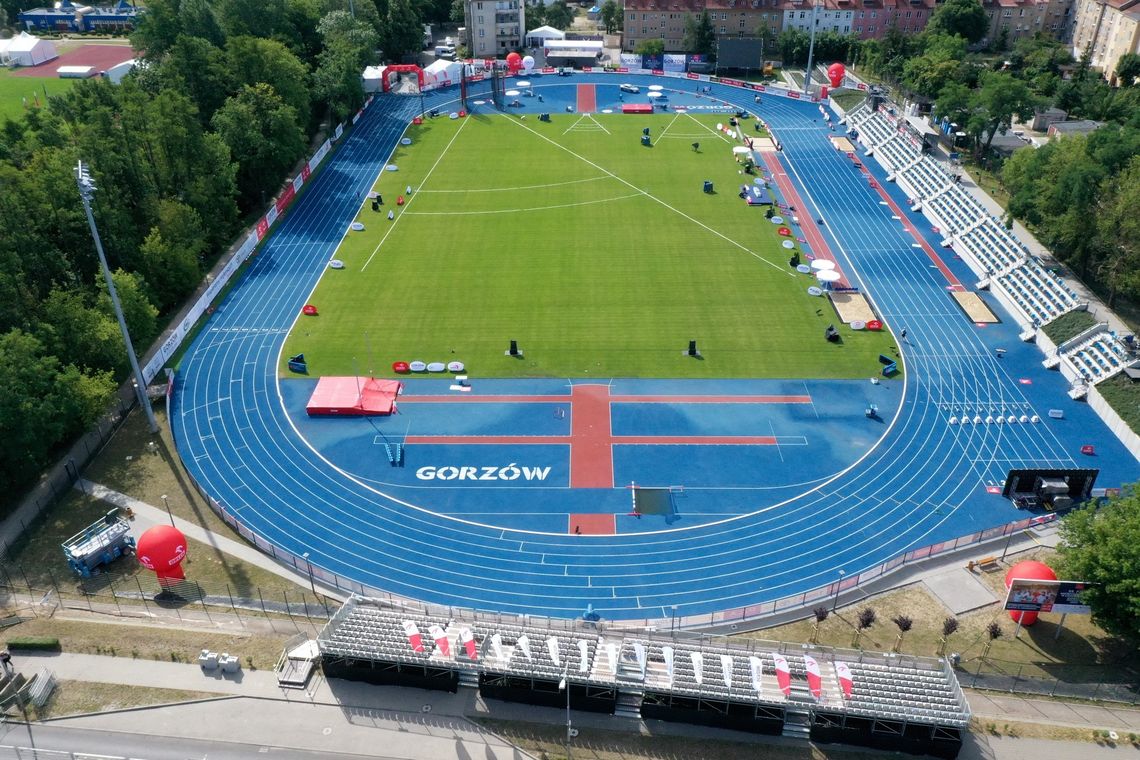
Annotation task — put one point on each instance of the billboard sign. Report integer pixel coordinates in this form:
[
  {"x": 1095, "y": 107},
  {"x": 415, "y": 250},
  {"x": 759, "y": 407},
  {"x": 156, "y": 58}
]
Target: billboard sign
[{"x": 1027, "y": 595}]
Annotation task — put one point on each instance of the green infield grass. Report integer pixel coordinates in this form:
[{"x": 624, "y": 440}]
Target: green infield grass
[
  {"x": 600, "y": 256},
  {"x": 15, "y": 90}
]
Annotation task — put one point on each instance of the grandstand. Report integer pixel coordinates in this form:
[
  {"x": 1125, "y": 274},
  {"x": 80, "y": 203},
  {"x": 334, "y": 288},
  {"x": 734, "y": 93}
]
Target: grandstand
[
  {"x": 905, "y": 703},
  {"x": 1032, "y": 293}
]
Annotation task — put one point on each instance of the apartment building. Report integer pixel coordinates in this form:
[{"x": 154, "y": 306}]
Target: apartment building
[
  {"x": 1025, "y": 18},
  {"x": 1106, "y": 29},
  {"x": 665, "y": 19},
  {"x": 494, "y": 27}
]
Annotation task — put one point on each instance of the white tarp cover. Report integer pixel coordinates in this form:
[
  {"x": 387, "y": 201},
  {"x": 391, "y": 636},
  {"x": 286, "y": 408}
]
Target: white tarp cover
[
  {"x": 372, "y": 78},
  {"x": 442, "y": 73},
  {"x": 28, "y": 50}
]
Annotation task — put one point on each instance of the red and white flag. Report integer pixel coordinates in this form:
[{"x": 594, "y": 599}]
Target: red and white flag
[
  {"x": 440, "y": 639},
  {"x": 845, "y": 682},
  {"x": 414, "y": 637},
  {"x": 783, "y": 674},
  {"x": 468, "y": 640},
  {"x": 815, "y": 683}
]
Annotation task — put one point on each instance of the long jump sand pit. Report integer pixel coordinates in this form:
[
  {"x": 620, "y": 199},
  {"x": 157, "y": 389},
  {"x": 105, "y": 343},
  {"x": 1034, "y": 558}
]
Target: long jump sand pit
[
  {"x": 852, "y": 307},
  {"x": 974, "y": 307}
]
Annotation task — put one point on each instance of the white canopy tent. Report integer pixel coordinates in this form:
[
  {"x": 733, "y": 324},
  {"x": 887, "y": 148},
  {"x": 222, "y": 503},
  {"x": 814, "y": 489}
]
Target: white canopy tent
[
  {"x": 538, "y": 37},
  {"x": 441, "y": 73},
  {"x": 28, "y": 50},
  {"x": 373, "y": 78}
]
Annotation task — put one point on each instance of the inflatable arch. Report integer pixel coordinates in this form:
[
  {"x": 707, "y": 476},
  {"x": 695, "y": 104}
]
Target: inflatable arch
[{"x": 386, "y": 76}]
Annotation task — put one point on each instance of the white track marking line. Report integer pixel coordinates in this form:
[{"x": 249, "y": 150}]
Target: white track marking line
[
  {"x": 779, "y": 268},
  {"x": 396, "y": 221}
]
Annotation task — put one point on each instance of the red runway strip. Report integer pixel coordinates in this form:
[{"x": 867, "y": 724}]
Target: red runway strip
[
  {"x": 815, "y": 238},
  {"x": 591, "y": 457},
  {"x": 593, "y": 525},
  {"x": 587, "y": 98},
  {"x": 934, "y": 257},
  {"x": 695, "y": 440}
]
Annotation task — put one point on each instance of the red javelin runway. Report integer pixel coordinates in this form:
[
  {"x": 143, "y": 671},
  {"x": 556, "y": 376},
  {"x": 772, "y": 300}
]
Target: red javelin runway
[
  {"x": 587, "y": 98},
  {"x": 815, "y": 238},
  {"x": 591, "y": 438}
]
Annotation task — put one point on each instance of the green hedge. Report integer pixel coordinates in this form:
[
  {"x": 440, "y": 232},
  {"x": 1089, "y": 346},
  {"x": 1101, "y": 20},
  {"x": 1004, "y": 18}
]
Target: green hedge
[{"x": 38, "y": 643}]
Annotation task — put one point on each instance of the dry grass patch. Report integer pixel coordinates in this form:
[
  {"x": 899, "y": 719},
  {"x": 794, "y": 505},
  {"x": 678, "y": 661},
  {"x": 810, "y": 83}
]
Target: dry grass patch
[
  {"x": 153, "y": 642},
  {"x": 80, "y": 697}
]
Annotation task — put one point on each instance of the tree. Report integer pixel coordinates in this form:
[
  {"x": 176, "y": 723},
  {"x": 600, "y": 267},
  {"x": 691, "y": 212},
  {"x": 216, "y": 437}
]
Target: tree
[
  {"x": 700, "y": 37},
  {"x": 43, "y": 402},
  {"x": 457, "y": 12},
  {"x": 998, "y": 100},
  {"x": 949, "y": 628},
  {"x": 138, "y": 311},
  {"x": 336, "y": 82},
  {"x": 1128, "y": 69},
  {"x": 650, "y": 47},
  {"x": 993, "y": 633},
  {"x": 252, "y": 60},
  {"x": 403, "y": 32},
  {"x": 794, "y": 45},
  {"x": 611, "y": 15},
  {"x": 929, "y": 73},
  {"x": 821, "y": 614},
  {"x": 199, "y": 69},
  {"x": 338, "y": 28},
  {"x": 904, "y": 624},
  {"x": 965, "y": 18},
  {"x": 157, "y": 29},
  {"x": 198, "y": 20},
  {"x": 559, "y": 15},
  {"x": 865, "y": 619},
  {"x": 170, "y": 255},
  {"x": 257, "y": 18},
  {"x": 263, "y": 137}
]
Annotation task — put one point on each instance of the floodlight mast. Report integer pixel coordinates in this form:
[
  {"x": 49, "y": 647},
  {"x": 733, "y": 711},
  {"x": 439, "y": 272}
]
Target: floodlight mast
[
  {"x": 86, "y": 192},
  {"x": 811, "y": 47}
]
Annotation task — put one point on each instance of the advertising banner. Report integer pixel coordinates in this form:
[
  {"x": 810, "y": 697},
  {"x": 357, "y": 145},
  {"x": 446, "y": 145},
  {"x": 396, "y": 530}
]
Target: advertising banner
[
  {"x": 1047, "y": 596},
  {"x": 674, "y": 62},
  {"x": 631, "y": 60}
]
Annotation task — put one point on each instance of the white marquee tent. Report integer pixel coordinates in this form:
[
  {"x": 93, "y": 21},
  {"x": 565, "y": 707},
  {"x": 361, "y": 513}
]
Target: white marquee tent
[
  {"x": 442, "y": 73},
  {"x": 27, "y": 50},
  {"x": 537, "y": 37}
]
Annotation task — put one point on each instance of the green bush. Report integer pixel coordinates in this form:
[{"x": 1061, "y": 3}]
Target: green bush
[{"x": 37, "y": 643}]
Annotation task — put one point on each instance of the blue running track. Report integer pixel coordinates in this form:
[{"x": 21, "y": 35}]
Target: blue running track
[{"x": 243, "y": 435}]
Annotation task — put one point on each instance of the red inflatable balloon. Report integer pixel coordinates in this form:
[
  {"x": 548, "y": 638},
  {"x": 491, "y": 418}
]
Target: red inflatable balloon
[
  {"x": 835, "y": 73},
  {"x": 1028, "y": 570},
  {"x": 514, "y": 61},
  {"x": 162, "y": 549}
]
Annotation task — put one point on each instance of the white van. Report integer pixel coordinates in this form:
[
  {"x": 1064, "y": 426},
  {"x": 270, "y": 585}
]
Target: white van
[{"x": 445, "y": 51}]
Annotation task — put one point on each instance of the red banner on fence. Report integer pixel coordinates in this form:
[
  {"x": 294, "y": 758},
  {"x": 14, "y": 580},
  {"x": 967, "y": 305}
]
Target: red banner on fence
[
  {"x": 262, "y": 228},
  {"x": 285, "y": 199},
  {"x": 793, "y": 94}
]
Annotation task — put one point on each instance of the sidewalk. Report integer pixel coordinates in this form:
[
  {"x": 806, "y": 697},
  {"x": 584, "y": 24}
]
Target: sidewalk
[{"x": 344, "y": 716}]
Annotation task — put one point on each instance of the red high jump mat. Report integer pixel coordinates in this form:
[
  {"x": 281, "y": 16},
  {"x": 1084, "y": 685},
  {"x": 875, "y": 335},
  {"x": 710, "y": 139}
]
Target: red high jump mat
[
  {"x": 593, "y": 525},
  {"x": 353, "y": 396}
]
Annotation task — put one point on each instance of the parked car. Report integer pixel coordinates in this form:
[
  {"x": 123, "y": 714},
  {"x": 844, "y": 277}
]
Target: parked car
[{"x": 629, "y": 88}]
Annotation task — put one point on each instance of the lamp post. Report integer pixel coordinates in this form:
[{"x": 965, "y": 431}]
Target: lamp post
[
  {"x": 565, "y": 684},
  {"x": 838, "y": 585},
  {"x": 309, "y": 566},
  {"x": 86, "y": 191},
  {"x": 811, "y": 48},
  {"x": 166, "y": 503},
  {"x": 673, "y": 625}
]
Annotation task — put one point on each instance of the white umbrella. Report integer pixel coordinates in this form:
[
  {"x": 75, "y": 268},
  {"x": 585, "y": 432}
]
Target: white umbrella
[
  {"x": 653, "y": 94},
  {"x": 513, "y": 93},
  {"x": 821, "y": 264},
  {"x": 656, "y": 87},
  {"x": 789, "y": 244},
  {"x": 522, "y": 84},
  {"x": 828, "y": 275}
]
